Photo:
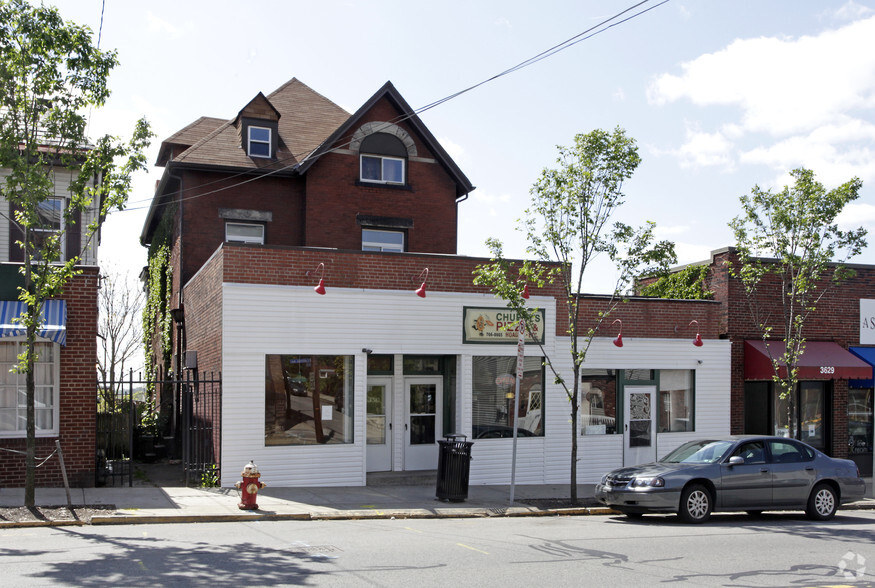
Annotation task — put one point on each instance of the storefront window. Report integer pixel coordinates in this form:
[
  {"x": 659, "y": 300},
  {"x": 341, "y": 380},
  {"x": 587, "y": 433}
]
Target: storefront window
[
  {"x": 860, "y": 421},
  {"x": 598, "y": 402},
  {"x": 810, "y": 406},
  {"x": 13, "y": 390},
  {"x": 308, "y": 399},
  {"x": 675, "y": 401},
  {"x": 494, "y": 383}
]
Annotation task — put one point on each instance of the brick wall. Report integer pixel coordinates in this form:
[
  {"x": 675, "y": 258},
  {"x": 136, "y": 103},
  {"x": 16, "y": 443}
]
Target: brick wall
[
  {"x": 78, "y": 398},
  {"x": 836, "y": 319}
]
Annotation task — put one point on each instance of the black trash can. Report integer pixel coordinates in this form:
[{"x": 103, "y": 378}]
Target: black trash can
[{"x": 454, "y": 466}]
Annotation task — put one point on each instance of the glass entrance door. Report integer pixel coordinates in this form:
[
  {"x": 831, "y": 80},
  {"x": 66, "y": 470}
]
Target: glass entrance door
[
  {"x": 379, "y": 425},
  {"x": 422, "y": 429},
  {"x": 639, "y": 430}
]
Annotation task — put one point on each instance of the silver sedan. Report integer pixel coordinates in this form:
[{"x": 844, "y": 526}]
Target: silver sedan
[{"x": 743, "y": 473}]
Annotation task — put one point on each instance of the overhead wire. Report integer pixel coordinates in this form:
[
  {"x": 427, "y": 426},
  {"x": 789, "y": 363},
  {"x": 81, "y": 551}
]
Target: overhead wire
[{"x": 597, "y": 29}]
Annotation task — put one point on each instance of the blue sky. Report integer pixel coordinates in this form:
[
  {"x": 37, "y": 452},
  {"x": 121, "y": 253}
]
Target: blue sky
[{"x": 720, "y": 96}]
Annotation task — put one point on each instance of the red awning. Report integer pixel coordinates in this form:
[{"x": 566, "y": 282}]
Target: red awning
[{"x": 820, "y": 361}]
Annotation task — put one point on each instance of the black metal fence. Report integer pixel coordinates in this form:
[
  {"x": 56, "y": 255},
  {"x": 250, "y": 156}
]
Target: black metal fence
[{"x": 165, "y": 417}]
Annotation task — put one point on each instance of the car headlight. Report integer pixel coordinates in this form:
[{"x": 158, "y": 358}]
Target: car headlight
[
  {"x": 647, "y": 483},
  {"x": 604, "y": 479}
]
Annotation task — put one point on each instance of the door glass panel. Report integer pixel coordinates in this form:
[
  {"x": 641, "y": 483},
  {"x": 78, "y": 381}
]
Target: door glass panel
[
  {"x": 811, "y": 405},
  {"x": 639, "y": 420},
  {"x": 376, "y": 430},
  {"x": 422, "y": 399},
  {"x": 423, "y": 408},
  {"x": 422, "y": 430}
]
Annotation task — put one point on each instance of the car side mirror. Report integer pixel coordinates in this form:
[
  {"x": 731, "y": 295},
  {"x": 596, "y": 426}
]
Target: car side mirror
[{"x": 736, "y": 460}]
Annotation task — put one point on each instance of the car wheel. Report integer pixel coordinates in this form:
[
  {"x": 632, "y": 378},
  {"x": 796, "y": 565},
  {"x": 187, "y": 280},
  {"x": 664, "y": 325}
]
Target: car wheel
[
  {"x": 696, "y": 504},
  {"x": 822, "y": 504}
]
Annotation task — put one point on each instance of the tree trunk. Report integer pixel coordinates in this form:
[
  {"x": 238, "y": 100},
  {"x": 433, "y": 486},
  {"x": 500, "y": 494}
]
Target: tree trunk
[{"x": 575, "y": 402}]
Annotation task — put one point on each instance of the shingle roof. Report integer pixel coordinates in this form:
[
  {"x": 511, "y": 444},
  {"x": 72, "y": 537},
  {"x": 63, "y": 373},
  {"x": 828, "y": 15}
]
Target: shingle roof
[
  {"x": 188, "y": 136},
  {"x": 306, "y": 119}
]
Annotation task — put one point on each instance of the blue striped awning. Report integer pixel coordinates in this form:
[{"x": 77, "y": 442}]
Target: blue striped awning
[
  {"x": 867, "y": 354},
  {"x": 53, "y": 320}
]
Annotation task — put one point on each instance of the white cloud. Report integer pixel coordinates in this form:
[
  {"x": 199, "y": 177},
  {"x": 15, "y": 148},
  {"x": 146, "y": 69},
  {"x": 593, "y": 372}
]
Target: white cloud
[
  {"x": 701, "y": 149},
  {"x": 851, "y": 11},
  {"x": 781, "y": 85},
  {"x": 456, "y": 151},
  {"x": 619, "y": 95},
  {"x": 855, "y": 215},
  {"x": 503, "y": 21},
  {"x": 159, "y": 25}
]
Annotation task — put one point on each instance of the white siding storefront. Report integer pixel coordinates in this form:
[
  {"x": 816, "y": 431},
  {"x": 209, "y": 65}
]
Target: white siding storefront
[{"x": 261, "y": 320}]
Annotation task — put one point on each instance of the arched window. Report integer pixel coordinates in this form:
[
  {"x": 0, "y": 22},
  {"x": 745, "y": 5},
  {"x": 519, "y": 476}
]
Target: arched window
[{"x": 383, "y": 159}]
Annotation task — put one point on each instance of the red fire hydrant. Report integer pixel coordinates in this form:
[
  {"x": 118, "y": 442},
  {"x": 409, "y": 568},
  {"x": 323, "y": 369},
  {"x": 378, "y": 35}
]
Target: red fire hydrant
[{"x": 249, "y": 487}]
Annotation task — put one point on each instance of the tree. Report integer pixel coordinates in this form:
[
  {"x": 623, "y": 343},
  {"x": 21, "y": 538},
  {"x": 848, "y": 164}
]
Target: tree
[
  {"x": 567, "y": 227},
  {"x": 797, "y": 227},
  {"x": 50, "y": 75},
  {"x": 120, "y": 304}
]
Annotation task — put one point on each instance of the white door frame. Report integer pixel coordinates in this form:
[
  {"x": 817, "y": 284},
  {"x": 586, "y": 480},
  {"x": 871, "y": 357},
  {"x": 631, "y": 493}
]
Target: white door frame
[
  {"x": 422, "y": 456},
  {"x": 639, "y": 424},
  {"x": 379, "y": 455}
]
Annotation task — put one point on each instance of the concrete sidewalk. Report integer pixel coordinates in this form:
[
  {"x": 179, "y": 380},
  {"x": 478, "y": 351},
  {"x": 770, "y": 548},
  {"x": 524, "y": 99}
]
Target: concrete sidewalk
[
  {"x": 142, "y": 504},
  {"x": 168, "y": 504}
]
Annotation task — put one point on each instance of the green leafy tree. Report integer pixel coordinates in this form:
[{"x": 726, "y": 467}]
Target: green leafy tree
[
  {"x": 568, "y": 226},
  {"x": 685, "y": 284},
  {"x": 50, "y": 76},
  {"x": 796, "y": 227}
]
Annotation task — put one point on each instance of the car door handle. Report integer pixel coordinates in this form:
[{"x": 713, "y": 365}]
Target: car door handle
[
  {"x": 809, "y": 469},
  {"x": 764, "y": 470}
]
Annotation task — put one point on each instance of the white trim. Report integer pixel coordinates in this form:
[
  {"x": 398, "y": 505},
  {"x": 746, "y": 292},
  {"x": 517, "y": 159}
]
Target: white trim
[
  {"x": 56, "y": 395},
  {"x": 250, "y": 141}
]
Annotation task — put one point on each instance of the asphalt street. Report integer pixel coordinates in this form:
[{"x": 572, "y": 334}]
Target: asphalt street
[{"x": 779, "y": 549}]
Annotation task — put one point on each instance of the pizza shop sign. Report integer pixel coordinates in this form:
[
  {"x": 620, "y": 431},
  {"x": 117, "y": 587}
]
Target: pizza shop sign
[{"x": 498, "y": 325}]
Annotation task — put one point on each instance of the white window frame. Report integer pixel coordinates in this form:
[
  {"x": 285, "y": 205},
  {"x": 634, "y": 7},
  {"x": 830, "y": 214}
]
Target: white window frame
[
  {"x": 243, "y": 238},
  {"x": 21, "y": 387},
  {"x": 383, "y": 159},
  {"x": 383, "y": 245},
  {"x": 251, "y": 141}
]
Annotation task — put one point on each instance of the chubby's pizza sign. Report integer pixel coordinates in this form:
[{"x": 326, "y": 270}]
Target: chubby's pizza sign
[{"x": 498, "y": 325}]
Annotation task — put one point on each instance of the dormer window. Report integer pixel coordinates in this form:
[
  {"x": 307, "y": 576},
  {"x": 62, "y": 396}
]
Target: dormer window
[
  {"x": 383, "y": 159},
  {"x": 259, "y": 142}
]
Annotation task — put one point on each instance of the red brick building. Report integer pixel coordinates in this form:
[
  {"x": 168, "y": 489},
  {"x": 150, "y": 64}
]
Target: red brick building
[
  {"x": 365, "y": 375},
  {"x": 834, "y": 400}
]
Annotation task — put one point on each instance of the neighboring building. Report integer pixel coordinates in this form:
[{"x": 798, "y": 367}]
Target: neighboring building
[
  {"x": 294, "y": 193},
  {"x": 834, "y": 399},
  {"x": 67, "y": 348}
]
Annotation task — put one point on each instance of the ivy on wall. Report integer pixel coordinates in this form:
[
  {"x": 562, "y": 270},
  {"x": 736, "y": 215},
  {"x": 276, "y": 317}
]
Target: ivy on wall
[
  {"x": 157, "y": 320},
  {"x": 686, "y": 284}
]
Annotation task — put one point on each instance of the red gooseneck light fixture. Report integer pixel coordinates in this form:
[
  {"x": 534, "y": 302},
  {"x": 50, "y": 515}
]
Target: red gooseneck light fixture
[
  {"x": 320, "y": 288},
  {"x": 619, "y": 340},
  {"x": 525, "y": 293},
  {"x": 698, "y": 340},
  {"x": 424, "y": 277}
]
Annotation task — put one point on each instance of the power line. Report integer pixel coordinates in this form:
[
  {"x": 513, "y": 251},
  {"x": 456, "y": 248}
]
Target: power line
[{"x": 578, "y": 38}]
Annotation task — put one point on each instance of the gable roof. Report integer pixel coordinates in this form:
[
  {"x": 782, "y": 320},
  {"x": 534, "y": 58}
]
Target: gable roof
[
  {"x": 409, "y": 117},
  {"x": 305, "y": 119}
]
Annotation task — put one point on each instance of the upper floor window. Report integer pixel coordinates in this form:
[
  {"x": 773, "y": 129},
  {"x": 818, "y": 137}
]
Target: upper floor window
[
  {"x": 244, "y": 233},
  {"x": 387, "y": 170},
  {"x": 50, "y": 213},
  {"x": 373, "y": 240},
  {"x": 259, "y": 142},
  {"x": 383, "y": 159}
]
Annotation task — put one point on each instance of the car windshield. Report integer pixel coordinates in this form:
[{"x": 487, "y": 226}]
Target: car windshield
[{"x": 698, "y": 452}]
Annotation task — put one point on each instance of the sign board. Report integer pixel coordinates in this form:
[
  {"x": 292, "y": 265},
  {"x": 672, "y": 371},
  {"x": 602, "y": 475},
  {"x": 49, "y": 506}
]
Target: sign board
[
  {"x": 867, "y": 322},
  {"x": 498, "y": 325}
]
